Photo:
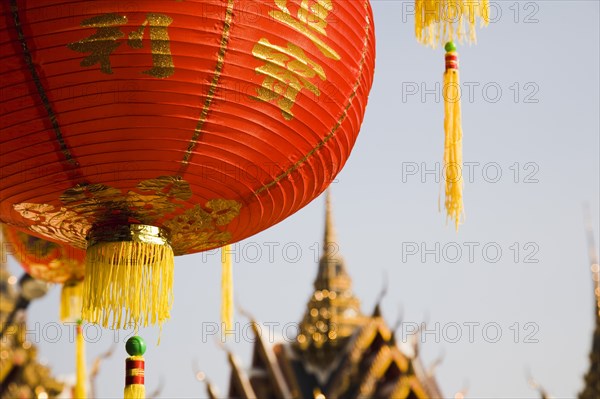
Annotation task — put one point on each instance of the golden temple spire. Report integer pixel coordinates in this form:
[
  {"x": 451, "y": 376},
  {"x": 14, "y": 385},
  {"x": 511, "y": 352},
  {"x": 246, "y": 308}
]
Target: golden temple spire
[
  {"x": 333, "y": 312},
  {"x": 332, "y": 275},
  {"x": 592, "y": 378}
]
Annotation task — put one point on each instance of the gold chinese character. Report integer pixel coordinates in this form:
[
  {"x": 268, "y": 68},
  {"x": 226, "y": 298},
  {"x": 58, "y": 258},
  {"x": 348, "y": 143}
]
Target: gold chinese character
[
  {"x": 102, "y": 43},
  {"x": 286, "y": 72},
  {"x": 310, "y": 21},
  {"x": 160, "y": 44},
  {"x": 314, "y": 13},
  {"x": 105, "y": 41}
]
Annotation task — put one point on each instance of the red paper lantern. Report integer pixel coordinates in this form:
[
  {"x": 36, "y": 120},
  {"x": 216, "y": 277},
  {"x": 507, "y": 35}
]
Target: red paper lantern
[
  {"x": 139, "y": 129},
  {"x": 53, "y": 263}
]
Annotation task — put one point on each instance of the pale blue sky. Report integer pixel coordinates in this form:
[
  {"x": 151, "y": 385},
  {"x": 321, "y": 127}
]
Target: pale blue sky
[{"x": 547, "y": 52}]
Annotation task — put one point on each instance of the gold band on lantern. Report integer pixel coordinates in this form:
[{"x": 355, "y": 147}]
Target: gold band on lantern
[
  {"x": 214, "y": 85},
  {"x": 141, "y": 233}
]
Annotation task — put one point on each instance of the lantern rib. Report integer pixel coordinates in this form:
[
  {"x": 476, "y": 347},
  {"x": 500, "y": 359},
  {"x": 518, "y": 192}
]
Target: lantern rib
[{"x": 213, "y": 86}]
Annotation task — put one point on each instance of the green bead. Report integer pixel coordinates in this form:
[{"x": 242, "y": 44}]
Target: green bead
[
  {"x": 450, "y": 46},
  {"x": 135, "y": 346}
]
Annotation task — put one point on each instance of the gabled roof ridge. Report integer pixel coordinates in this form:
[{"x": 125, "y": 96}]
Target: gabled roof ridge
[
  {"x": 238, "y": 374},
  {"x": 273, "y": 370}
]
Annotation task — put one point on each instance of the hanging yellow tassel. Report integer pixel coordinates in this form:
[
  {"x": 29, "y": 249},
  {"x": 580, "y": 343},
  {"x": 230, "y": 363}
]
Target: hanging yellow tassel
[
  {"x": 135, "y": 369},
  {"x": 71, "y": 298},
  {"x": 71, "y": 301},
  {"x": 453, "y": 164},
  {"x": 128, "y": 278},
  {"x": 226, "y": 290},
  {"x": 441, "y": 21},
  {"x": 80, "y": 374},
  {"x": 445, "y": 21},
  {"x": 134, "y": 391}
]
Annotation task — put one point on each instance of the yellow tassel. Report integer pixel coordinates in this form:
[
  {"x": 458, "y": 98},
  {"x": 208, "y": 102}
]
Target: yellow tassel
[
  {"x": 436, "y": 22},
  {"x": 134, "y": 391},
  {"x": 453, "y": 138},
  {"x": 441, "y": 21},
  {"x": 128, "y": 283},
  {"x": 81, "y": 375},
  {"x": 71, "y": 301},
  {"x": 226, "y": 289}
]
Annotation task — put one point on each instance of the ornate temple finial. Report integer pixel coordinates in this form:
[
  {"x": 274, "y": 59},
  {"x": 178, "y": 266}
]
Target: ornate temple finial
[
  {"x": 333, "y": 312},
  {"x": 200, "y": 376},
  {"x": 396, "y": 326},
  {"x": 592, "y": 378},
  {"x": 381, "y": 296},
  {"x": 435, "y": 364},
  {"x": 538, "y": 387},
  {"x": 463, "y": 391}
]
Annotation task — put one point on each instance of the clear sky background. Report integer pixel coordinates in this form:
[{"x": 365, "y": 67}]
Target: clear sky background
[{"x": 532, "y": 115}]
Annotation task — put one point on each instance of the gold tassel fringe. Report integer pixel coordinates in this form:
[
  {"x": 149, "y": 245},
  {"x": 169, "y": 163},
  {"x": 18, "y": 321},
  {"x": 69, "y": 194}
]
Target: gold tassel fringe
[
  {"x": 81, "y": 374},
  {"x": 128, "y": 284},
  {"x": 441, "y": 21},
  {"x": 71, "y": 301},
  {"x": 226, "y": 290},
  {"x": 453, "y": 163},
  {"x": 134, "y": 391}
]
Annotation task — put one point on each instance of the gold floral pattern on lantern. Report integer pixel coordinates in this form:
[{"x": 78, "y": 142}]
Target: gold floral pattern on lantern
[{"x": 161, "y": 202}]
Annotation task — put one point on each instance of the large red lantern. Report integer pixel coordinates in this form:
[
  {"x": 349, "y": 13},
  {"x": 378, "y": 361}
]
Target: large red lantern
[{"x": 139, "y": 130}]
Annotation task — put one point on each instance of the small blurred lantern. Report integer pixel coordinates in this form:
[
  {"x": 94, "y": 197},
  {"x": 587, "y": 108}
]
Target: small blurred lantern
[
  {"x": 45, "y": 262},
  {"x": 52, "y": 263}
]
